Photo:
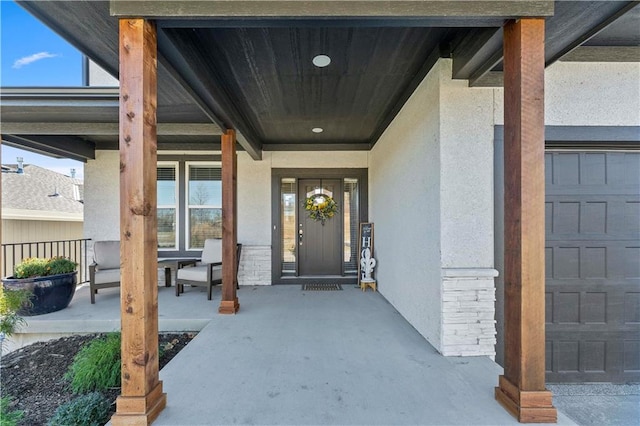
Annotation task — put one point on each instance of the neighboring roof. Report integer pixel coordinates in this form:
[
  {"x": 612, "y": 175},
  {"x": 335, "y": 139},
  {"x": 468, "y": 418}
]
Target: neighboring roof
[{"x": 40, "y": 194}]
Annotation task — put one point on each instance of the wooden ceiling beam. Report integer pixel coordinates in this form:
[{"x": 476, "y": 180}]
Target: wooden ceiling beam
[
  {"x": 329, "y": 146},
  {"x": 597, "y": 27},
  {"x": 347, "y": 8},
  {"x": 477, "y": 49},
  {"x": 189, "y": 62},
  {"x": 603, "y": 54},
  {"x": 71, "y": 147},
  {"x": 573, "y": 36},
  {"x": 83, "y": 128}
]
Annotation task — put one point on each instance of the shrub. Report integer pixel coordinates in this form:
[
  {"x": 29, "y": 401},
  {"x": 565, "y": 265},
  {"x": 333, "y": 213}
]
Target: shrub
[
  {"x": 38, "y": 267},
  {"x": 91, "y": 409},
  {"x": 10, "y": 303},
  {"x": 96, "y": 366},
  {"x": 61, "y": 265},
  {"x": 9, "y": 418}
]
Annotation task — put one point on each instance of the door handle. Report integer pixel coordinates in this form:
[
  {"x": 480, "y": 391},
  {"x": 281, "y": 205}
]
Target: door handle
[{"x": 300, "y": 236}]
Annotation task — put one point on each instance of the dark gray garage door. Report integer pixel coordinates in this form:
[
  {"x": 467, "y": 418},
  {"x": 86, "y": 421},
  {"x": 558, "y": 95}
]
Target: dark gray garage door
[{"x": 593, "y": 266}]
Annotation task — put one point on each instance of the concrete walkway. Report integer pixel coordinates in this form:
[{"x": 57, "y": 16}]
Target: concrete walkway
[
  {"x": 189, "y": 312},
  {"x": 333, "y": 358},
  {"x": 597, "y": 404}
]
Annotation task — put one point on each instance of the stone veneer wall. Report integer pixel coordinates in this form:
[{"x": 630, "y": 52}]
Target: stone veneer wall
[
  {"x": 255, "y": 265},
  {"x": 468, "y": 324}
]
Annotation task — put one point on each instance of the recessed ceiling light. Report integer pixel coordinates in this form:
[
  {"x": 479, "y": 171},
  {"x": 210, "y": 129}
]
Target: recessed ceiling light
[
  {"x": 321, "y": 61},
  {"x": 317, "y": 130}
]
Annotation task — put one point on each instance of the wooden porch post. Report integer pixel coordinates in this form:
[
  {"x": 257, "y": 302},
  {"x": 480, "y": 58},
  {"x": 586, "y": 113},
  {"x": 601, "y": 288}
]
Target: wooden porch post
[
  {"x": 229, "y": 303},
  {"x": 522, "y": 387},
  {"x": 141, "y": 398}
]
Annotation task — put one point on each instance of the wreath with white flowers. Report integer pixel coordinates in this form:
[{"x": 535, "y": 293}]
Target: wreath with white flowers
[{"x": 320, "y": 207}]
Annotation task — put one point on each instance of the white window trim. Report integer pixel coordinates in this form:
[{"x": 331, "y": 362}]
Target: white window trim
[
  {"x": 187, "y": 206},
  {"x": 176, "y": 206}
]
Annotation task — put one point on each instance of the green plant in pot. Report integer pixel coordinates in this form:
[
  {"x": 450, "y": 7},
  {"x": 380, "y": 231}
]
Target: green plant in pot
[{"x": 52, "y": 283}]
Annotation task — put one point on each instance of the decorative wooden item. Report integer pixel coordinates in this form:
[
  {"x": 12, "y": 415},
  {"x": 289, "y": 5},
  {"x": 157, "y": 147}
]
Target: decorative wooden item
[{"x": 365, "y": 241}]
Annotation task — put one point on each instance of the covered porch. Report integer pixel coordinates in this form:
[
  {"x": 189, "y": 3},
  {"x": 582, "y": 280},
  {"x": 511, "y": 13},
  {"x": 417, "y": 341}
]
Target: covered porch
[{"x": 430, "y": 137}]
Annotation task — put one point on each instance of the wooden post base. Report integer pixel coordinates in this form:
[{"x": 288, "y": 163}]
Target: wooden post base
[
  {"x": 139, "y": 410},
  {"x": 526, "y": 406},
  {"x": 229, "y": 307}
]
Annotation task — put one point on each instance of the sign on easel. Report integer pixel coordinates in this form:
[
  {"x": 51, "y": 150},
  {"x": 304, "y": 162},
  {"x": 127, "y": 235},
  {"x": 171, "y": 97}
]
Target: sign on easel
[{"x": 365, "y": 240}]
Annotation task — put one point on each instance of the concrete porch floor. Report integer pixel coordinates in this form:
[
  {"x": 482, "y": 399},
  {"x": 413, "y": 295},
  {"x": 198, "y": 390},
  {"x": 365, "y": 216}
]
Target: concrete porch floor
[
  {"x": 299, "y": 358},
  {"x": 334, "y": 358}
]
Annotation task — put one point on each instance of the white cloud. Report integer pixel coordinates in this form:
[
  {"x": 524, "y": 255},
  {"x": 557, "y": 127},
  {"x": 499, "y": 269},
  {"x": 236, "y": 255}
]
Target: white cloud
[{"x": 19, "y": 63}]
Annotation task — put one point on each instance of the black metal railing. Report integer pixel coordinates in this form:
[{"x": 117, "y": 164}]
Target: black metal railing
[{"x": 76, "y": 250}]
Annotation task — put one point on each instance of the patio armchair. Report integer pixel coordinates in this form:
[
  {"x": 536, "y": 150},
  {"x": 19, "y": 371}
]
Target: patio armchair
[
  {"x": 207, "y": 272},
  {"x": 104, "y": 272}
]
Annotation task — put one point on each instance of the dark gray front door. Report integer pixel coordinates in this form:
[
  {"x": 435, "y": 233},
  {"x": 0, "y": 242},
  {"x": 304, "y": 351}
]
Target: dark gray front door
[
  {"x": 593, "y": 266},
  {"x": 319, "y": 246}
]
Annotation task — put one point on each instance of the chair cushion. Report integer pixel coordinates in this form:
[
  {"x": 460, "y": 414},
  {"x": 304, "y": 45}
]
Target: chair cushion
[
  {"x": 106, "y": 254},
  {"x": 198, "y": 273},
  {"x": 104, "y": 276},
  {"x": 212, "y": 252}
]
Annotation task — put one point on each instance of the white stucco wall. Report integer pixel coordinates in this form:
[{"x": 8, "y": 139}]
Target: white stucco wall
[
  {"x": 102, "y": 196},
  {"x": 404, "y": 204},
  {"x": 99, "y": 77},
  {"x": 321, "y": 159},
  {"x": 435, "y": 252},
  {"x": 466, "y": 188},
  {"x": 254, "y": 200},
  {"x": 588, "y": 94}
]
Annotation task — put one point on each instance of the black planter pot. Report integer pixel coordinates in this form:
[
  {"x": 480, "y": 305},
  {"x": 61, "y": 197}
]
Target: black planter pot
[{"x": 51, "y": 293}]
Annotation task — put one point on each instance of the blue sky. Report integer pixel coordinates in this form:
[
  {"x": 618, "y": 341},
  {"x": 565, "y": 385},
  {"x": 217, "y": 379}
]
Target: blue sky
[{"x": 33, "y": 55}]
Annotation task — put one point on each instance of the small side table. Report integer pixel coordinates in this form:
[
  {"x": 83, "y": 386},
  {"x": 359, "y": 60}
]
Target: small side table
[
  {"x": 169, "y": 263},
  {"x": 368, "y": 283}
]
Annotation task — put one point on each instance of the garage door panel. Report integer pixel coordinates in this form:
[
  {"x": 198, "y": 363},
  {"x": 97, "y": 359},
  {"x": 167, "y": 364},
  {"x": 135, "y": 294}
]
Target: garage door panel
[
  {"x": 592, "y": 218},
  {"x": 631, "y": 167},
  {"x": 564, "y": 170},
  {"x": 597, "y": 305},
  {"x": 594, "y": 356},
  {"x": 588, "y": 356},
  {"x": 632, "y": 217},
  {"x": 632, "y": 356},
  {"x": 594, "y": 262},
  {"x": 592, "y": 209},
  {"x": 594, "y": 308},
  {"x": 632, "y": 308},
  {"x": 632, "y": 262},
  {"x": 591, "y": 260},
  {"x": 594, "y": 168}
]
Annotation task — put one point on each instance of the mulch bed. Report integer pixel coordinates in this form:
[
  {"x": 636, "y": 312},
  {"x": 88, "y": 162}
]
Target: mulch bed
[{"x": 33, "y": 375}]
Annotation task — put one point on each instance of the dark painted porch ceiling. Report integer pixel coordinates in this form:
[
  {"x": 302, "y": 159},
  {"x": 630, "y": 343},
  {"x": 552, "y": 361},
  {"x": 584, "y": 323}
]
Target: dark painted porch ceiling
[
  {"x": 280, "y": 95},
  {"x": 254, "y": 74}
]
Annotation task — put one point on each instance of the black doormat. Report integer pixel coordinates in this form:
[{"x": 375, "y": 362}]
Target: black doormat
[{"x": 321, "y": 287}]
